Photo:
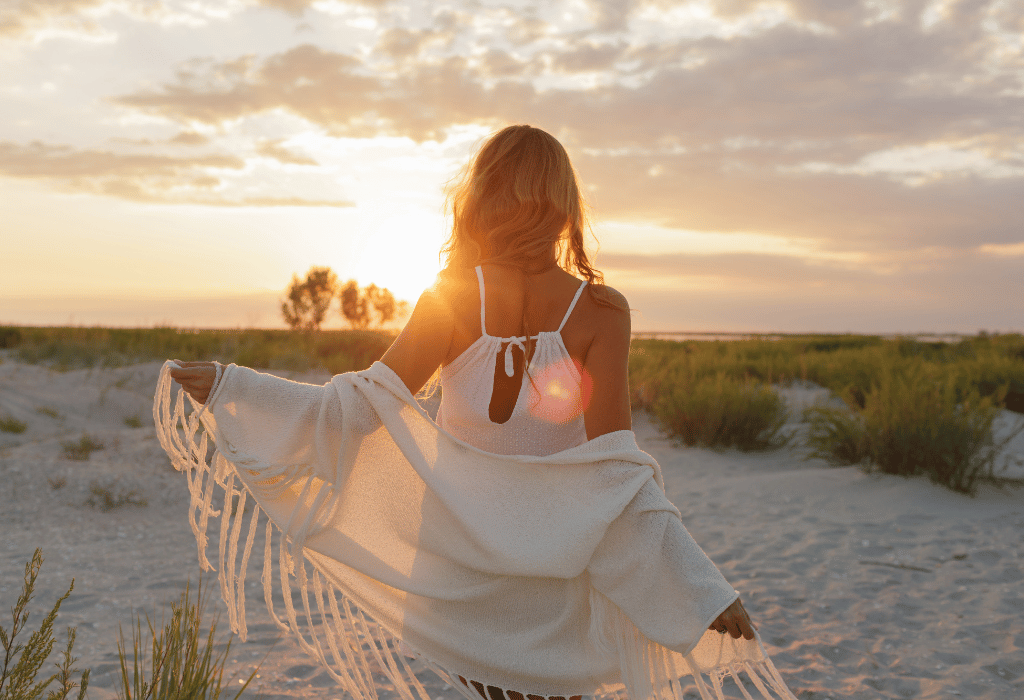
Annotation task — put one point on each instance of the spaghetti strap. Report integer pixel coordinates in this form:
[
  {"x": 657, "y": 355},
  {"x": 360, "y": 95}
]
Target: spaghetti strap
[
  {"x": 480, "y": 277},
  {"x": 571, "y": 306}
]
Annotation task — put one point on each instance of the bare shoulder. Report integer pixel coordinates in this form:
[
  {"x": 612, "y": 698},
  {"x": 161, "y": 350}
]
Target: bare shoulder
[
  {"x": 609, "y": 306},
  {"x": 452, "y": 286}
]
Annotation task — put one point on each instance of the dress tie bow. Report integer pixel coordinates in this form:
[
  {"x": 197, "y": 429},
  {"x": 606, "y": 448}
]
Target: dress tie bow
[{"x": 509, "y": 370}]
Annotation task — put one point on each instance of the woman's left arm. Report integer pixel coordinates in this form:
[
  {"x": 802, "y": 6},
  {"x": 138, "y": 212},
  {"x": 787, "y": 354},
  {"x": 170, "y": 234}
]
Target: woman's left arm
[
  {"x": 424, "y": 342},
  {"x": 196, "y": 378}
]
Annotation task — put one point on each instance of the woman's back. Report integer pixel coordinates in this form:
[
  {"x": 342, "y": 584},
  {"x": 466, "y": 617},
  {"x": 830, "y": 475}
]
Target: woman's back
[{"x": 576, "y": 387}]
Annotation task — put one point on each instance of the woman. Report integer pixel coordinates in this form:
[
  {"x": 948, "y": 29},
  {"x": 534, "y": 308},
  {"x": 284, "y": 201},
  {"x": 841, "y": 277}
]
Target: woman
[{"x": 533, "y": 360}]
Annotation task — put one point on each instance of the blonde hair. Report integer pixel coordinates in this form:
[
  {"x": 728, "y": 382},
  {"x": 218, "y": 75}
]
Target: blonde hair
[{"x": 518, "y": 203}]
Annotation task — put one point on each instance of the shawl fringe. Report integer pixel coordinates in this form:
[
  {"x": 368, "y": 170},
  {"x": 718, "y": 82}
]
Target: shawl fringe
[{"x": 331, "y": 627}]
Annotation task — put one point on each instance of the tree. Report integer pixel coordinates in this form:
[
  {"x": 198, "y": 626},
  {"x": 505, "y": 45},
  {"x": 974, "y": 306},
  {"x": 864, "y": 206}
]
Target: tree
[
  {"x": 360, "y": 306},
  {"x": 309, "y": 300},
  {"x": 354, "y": 306},
  {"x": 385, "y": 304}
]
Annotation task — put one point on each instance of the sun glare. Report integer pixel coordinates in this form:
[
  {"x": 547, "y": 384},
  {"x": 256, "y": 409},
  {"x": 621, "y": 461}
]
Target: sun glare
[{"x": 397, "y": 248}]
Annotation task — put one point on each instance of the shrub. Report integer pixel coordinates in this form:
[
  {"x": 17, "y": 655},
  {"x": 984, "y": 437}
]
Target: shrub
[
  {"x": 49, "y": 412},
  {"x": 81, "y": 450},
  {"x": 21, "y": 662},
  {"x": 9, "y": 337},
  {"x": 181, "y": 664},
  {"x": 133, "y": 421},
  {"x": 721, "y": 411},
  {"x": 9, "y": 424},
  {"x": 916, "y": 421},
  {"x": 837, "y": 435},
  {"x": 103, "y": 497}
]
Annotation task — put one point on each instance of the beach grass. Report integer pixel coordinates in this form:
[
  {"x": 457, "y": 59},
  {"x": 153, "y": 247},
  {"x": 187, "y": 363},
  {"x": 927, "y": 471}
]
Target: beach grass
[
  {"x": 107, "y": 497},
  {"x": 177, "y": 661},
  {"x": 9, "y": 424},
  {"x": 81, "y": 449},
  {"x": 21, "y": 662},
  {"x": 69, "y": 348},
  {"x": 912, "y": 407},
  {"x": 704, "y": 409},
  {"x": 918, "y": 421}
]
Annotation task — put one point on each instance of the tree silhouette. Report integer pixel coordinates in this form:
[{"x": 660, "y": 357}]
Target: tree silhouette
[
  {"x": 384, "y": 303},
  {"x": 360, "y": 306},
  {"x": 354, "y": 306},
  {"x": 309, "y": 300}
]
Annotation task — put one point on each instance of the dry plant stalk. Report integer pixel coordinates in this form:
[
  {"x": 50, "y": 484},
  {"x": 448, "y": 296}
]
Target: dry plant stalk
[{"x": 22, "y": 662}]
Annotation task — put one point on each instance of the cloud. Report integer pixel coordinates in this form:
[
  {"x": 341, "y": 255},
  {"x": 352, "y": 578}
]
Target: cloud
[
  {"x": 19, "y": 16},
  {"x": 739, "y": 268},
  {"x": 39, "y": 160},
  {"x": 763, "y": 293},
  {"x": 334, "y": 91},
  {"x": 611, "y": 15},
  {"x": 153, "y": 178},
  {"x": 830, "y": 125},
  {"x": 588, "y": 57},
  {"x": 849, "y": 212},
  {"x": 189, "y": 138},
  {"x": 788, "y": 130},
  {"x": 274, "y": 149},
  {"x": 297, "y": 7},
  {"x": 864, "y": 89}
]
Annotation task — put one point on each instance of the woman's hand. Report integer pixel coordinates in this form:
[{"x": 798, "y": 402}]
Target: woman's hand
[
  {"x": 196, "y": 378},
  {"x": 735, "y": 621}
]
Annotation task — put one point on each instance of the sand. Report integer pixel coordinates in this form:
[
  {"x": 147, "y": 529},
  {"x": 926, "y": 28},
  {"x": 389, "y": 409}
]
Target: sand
[{"x": 863, "y": 586}]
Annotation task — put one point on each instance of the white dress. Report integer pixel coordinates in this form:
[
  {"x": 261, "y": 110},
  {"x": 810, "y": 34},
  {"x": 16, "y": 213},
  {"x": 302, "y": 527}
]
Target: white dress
[{"x": 548, "y": 413}]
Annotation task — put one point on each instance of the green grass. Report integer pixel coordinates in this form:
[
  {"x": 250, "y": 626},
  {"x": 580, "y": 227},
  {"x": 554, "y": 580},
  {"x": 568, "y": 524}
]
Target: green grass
[
  {"x": 75, "y": 348},
  {"x": 82, "y": 449},
  {"x": 912, "y": 407},
  {"x": 177, "y": 662},
  {"x": 721, "y": 412},
  {"x": 22, "y": 662},
  {"x": 914, "y": 422},
  {"x": 9, "y": 424}
]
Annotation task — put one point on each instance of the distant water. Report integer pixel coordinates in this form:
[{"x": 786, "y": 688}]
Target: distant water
[{"x": 689, "y": 335}]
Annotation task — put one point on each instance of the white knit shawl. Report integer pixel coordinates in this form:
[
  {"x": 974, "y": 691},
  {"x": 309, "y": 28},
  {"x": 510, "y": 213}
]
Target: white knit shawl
[{"x": 394, "y": 530}]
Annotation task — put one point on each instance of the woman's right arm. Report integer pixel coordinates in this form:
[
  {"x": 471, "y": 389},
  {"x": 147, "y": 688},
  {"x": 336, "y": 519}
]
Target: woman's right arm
[{"x": 607, "y": 364}]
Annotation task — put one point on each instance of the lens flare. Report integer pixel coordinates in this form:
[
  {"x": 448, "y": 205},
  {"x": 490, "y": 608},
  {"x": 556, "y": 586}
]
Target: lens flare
[{"x": 560, "y": 394}]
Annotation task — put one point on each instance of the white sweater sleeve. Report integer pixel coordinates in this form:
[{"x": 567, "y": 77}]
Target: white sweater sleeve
[
  {"x": 260, "y": 421},
  {"x": 657, "y": 574}
]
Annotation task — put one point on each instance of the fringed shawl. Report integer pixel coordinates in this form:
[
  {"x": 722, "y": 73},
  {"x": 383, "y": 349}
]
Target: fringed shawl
[{"x": 551, "y": 576}]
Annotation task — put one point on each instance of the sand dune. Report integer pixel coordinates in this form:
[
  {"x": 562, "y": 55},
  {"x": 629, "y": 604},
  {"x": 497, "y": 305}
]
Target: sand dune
[{"x": 863, "y": 586}]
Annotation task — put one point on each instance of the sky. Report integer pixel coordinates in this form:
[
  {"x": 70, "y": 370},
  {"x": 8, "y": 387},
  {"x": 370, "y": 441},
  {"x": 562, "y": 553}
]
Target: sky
[{"x": 782, "y": 166}]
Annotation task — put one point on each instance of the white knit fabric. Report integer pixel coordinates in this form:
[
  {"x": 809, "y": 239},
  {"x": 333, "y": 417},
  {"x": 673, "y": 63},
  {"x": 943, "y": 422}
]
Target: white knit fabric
[
  {"x": 557, "y": 575},
  {"x": 548, "y": 413}
]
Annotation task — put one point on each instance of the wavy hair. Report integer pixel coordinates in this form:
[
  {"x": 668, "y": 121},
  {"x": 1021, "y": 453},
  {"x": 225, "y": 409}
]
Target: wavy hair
[{"x": 518, "y": 203}]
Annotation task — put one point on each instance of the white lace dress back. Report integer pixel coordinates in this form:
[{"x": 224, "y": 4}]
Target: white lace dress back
[{"x": 548, "y": 413}]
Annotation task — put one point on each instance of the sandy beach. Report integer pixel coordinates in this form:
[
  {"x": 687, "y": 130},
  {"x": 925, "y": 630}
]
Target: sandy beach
[{"x": 863, "y": 586}]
